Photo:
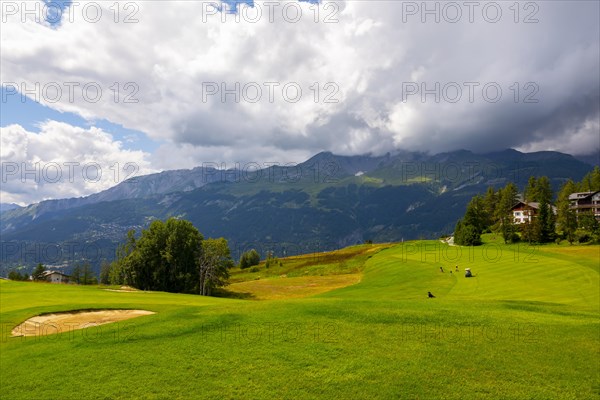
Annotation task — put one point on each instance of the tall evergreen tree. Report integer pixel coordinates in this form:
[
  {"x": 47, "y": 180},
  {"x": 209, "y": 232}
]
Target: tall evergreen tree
[
  {"x": 475, "y": 215},
  {"x": 87, "y": 274},
  {"x": 104, "y": 272},
  {"x": 543, "y": 191},
  {"x": 530, "y": 230},
  {"x": 566, "y": 218},
  {"x": 546, "y": 223},
  {"x": 76, "y": 274},
  {"x": 595, "y": 179},
  {"x": 38, "y": 273},
  {"x": 507, "y": 199},
  {"x": 591, "y": 181},
  {"x": 530, "y": 194},
  {"x": 547, "y": 219},
  {"x": 490, "y": 201}
]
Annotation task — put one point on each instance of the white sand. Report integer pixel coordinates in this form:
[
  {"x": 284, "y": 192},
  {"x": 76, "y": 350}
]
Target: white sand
[{"x": 49, "y": 324}]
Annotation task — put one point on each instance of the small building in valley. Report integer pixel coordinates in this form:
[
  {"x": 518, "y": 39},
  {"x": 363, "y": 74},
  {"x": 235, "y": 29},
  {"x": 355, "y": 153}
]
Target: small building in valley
[{"x": 56, "y": 277}]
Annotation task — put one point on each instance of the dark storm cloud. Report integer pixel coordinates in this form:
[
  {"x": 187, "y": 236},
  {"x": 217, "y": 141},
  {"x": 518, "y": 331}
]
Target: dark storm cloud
[{"x": 547, "y": 74}]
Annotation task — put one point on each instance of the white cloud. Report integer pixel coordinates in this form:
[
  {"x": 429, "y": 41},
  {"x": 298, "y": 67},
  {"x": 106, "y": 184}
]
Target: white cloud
[
  {"x": 176, "y": 156},
  {"x": 176, "y": 48},
  {"x": 61, "y": 160},
  {"x": 583, "y": 139}
]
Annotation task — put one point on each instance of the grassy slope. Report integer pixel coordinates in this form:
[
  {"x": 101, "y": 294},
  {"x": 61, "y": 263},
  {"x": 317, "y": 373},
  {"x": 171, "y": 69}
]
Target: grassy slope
[
  {"x": 290, "y": 288},
  {"x": 525, "y": 327},
  {"x": 304, "y": 275}
]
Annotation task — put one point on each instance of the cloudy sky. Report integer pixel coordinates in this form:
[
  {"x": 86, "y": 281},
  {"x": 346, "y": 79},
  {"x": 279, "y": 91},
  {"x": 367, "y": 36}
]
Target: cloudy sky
[{"x": 93, "y": 92}]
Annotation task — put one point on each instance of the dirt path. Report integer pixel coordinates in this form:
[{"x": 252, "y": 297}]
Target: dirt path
[{"x": 48, "y": 324}]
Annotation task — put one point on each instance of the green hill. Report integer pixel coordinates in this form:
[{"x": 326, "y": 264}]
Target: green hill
[
  {"x": 326, "y": 203},
  {"x": 525, "y": 326}
]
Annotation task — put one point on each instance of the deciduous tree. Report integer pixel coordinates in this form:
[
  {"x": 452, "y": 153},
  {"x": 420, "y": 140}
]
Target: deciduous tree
[
  {"x": 166, "y": 257},
  {"x": 214, "y": 264}
]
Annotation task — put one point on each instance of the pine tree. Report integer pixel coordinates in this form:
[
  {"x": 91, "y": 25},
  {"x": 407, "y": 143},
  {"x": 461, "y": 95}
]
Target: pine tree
[
  {"x": 530, "y": 194},
  {"x": 566, "y": 218},
  {"x": 547, "y": 220},
  {"x": 38, "y": 273},
  {"x": 490, "y": 202},
  {"x": 507, "y": 199}
]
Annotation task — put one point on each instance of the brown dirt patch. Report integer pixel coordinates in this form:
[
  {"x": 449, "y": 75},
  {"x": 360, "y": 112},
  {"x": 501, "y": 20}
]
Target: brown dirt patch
[
  {"x": 297, "y": 287},
  {"x": 48, "y": 324}
]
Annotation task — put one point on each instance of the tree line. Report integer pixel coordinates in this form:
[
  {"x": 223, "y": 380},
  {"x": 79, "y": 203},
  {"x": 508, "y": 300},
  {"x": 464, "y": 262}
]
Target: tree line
[
  {"x": 554, "y": 221},
  {"x": 82, "y": 274},
  {"x": 170, "y": 256}
]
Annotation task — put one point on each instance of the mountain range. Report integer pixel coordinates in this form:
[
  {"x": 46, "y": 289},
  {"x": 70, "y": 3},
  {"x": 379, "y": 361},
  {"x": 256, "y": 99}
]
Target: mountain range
[{"x": 326, "y": 202}]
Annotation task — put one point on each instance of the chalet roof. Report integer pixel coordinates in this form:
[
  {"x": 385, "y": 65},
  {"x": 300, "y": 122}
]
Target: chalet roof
[
  {"x": 582, "y": 195},
  {"x": 531, "y": 204},
  {"x": 46, "y": 273}
]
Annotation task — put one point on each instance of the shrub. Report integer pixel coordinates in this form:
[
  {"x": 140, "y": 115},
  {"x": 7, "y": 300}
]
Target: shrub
[
  {"x": 583, "y": 237},
  {"x": 466, "y": 235},
  {"x": 515, "y": 238},
  {"x": 16, "y": 276},
  {"x": 249, "y": 259}
]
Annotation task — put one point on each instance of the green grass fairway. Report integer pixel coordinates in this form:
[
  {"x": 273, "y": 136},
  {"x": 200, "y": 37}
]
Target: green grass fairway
[{"x": 525, "y": 327}]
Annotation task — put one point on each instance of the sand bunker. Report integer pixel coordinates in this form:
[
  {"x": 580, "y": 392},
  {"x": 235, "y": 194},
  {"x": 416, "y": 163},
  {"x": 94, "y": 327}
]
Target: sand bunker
[
  {"x": 125, "y": 289},
  {"x": 49, "y": 324}
]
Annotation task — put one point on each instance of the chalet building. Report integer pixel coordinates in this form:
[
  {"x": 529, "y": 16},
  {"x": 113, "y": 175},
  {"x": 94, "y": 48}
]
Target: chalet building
[
  {"x": 586, "y": 202},
  {"x": 56, "y": 277},
  {"x": 524, "y": 211}
]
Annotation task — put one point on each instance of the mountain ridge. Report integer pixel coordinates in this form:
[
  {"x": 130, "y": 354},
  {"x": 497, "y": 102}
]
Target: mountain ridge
[{"x": 323, "y": 203}]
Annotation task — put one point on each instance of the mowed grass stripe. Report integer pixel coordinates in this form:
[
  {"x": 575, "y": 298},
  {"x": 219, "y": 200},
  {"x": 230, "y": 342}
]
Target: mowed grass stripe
[
  {"x": 518, "y": 330},
  {"x": 514, "y": 273}
]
